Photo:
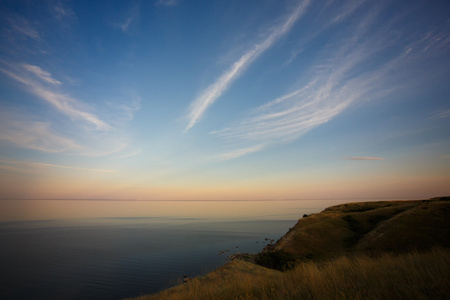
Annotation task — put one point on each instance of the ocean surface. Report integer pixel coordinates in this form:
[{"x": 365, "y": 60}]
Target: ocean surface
[{"x": 125, "y": 252}]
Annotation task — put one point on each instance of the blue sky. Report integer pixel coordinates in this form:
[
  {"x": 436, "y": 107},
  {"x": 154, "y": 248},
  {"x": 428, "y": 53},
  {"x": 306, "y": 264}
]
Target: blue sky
[{"x": 177, "y": 99}]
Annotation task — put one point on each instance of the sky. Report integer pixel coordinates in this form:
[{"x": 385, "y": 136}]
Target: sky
[{"x": 224, "y": 100}]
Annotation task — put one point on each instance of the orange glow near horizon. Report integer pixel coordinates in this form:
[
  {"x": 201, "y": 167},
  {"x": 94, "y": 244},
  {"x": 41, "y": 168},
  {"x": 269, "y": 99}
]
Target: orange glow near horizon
[
  {"x": 25, "y": 186},
  {"x": 20, "y": 210}
]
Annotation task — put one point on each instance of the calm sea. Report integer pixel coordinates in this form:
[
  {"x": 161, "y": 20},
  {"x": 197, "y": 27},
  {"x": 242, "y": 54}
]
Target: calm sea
[{"x": 130, "y": 248}]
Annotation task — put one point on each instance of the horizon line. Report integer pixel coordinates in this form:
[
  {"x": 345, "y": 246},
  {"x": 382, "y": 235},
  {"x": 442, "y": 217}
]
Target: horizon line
[{"x": 219, "y": 200}]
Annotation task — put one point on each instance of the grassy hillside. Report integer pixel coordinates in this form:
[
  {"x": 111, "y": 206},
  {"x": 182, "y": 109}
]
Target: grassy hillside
[
  {"x": 412, "y": 275},
  {"x": 368, "y": 227},
  {"x": 372, "y": 250}
]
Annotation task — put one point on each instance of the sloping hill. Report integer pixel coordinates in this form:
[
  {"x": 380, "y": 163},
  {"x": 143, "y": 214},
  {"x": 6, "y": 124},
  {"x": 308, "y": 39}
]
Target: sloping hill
[
  {"x": 418, "y": 228},
  {"x": 368, "y": 227}
]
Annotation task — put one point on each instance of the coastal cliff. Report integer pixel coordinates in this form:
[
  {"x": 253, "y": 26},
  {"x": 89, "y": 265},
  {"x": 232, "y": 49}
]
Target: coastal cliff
[
  {"x": 368, "y": 250},
  {"x": 364, "y": 228}
]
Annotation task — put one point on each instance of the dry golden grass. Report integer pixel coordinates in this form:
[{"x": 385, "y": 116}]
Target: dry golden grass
[
  {"x": 406, "y": 276},
  {"x": 415, "y": 275}
]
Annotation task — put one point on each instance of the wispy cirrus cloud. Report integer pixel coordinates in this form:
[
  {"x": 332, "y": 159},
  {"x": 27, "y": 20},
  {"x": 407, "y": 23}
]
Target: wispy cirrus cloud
[
  {"x": 19, "y": 35},
  {"x": 41, "y": 84},
  {"x": 41, "y": 74},
  {"x": 347, "y": 8},
  {"x": 28, "y": 164},
  {"x": 441, "y": 114},
  {"x": 329, "y": 92},
  {"x": 131, "y": 16},
  {"x": 237, "y": 153},
  {"x": 127, "y": 109},
  {"x": 17, "y": 27},
  {"x": 215, "y": 90},
  {"x": 342, "y": 74},
  {"x": 167, "y": 2},
  {"x": 62, "y": 12},
  {"x": 132, "y": 154},
  {"x": 25, "y": 130},
  {"x": 18, "y": 130}
]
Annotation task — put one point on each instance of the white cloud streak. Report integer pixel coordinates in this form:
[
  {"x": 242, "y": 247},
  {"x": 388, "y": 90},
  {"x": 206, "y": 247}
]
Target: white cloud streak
[
  {"x": 238, "y": 153},
  {"x": 167, "y": 2},
  {"x": 132, "y": 16},
  {"x": 215, "y": 90},
  {"x": 63, "y": 12},
  {"x": 62, "y": 102},
  {"x": 342, "y": 75},
  {"x": 132, "y": 154},
  {"x": 128, "y": 110},
  {"x": 45, "y": 165},
  {"x": 18, "y": 131},
  {"x": 441, "y": 114},
  {"x": 41, "y": 74},
  {"x": 286, "y": 118},
  {"x": 20, "y": 26},
  {"x": 348, "y": 7},
  {"x": 24, "y": 130}
]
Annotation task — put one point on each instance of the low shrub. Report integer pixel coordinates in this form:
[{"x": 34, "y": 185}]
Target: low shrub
[{"x": 278, "y": 260}]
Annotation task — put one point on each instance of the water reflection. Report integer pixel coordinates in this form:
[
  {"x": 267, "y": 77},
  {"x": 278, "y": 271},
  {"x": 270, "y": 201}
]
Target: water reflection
[{"x": 73, "y": 249}]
